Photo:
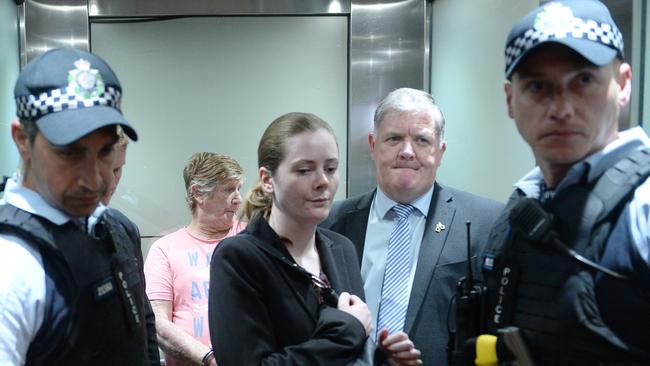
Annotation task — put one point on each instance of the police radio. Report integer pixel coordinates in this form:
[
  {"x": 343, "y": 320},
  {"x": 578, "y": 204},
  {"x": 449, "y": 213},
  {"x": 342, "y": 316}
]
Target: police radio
[
  {"x": 469, "y": 310},
  {"x": 530, "y": 219}
]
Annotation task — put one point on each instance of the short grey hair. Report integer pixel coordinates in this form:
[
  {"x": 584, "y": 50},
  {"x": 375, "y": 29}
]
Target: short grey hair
[
  {"x": 409, "y": 100},
  {"x": 207, "y": 170}
]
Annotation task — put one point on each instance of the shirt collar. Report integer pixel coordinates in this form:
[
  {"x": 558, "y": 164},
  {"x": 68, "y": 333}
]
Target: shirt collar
[
  {"x": 28, "y": 200},
  {"x": 94, "y": 218},
  {"x": 383, "y": 204},
  {"x": 593, "y": 166}
]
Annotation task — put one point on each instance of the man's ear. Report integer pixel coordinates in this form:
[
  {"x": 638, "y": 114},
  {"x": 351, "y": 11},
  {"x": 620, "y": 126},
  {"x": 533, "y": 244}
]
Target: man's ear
[
  {"x": 21, "y": 140},
  {"x": 371, "y": 144},
  {"x": 266, "y": 180},
  {"x": 507, "y": 88},
  {"x": 625, "y": 84}
]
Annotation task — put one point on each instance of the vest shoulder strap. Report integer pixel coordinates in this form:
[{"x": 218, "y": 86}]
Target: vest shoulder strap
[
  {"x": 615, "y": 186},
  {"x": 25, "y": 225}
]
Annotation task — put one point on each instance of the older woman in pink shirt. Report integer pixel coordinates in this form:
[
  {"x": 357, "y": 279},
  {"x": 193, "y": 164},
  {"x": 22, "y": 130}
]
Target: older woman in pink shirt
[{"x": 177, "y": 267}]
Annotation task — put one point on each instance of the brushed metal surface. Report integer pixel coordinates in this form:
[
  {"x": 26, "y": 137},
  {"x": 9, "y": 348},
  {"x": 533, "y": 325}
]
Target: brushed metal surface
[
  {"x": 51, "y": 24},
  {"x": 388, "y": 50},
  {"x": 147, "y": 8}
]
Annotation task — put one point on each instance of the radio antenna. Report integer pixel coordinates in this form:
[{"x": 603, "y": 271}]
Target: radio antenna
[{"x": 470, "y": 276}]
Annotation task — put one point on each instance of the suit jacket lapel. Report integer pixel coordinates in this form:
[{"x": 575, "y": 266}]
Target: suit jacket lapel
[
  {"x": 332, "y": 260},
  {"x": 441, "y": 209},
  {"x": 357, "y": 222}
]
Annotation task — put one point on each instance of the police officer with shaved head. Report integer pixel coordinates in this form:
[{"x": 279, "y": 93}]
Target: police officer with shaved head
[
  {"x": 71, "y": 280},
  {"x": 568, "y": 264}
]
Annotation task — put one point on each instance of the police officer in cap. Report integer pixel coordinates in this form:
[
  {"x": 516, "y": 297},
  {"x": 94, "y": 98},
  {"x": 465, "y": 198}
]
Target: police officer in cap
[
  {"x": 71, "y": 280},
  {"x": 567, "y": 268}
]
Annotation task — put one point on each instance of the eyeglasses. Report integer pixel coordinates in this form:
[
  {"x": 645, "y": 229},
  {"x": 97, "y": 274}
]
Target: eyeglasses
[{"x": 324, "y": 291}]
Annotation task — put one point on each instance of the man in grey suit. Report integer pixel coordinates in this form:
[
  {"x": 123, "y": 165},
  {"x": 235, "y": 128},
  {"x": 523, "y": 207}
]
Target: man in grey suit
[{"x": 407, "y": 146}]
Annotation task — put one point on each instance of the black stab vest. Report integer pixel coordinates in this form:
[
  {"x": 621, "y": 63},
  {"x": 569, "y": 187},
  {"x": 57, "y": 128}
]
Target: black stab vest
[
  {"x": 550, "y": 296},
  {"x": 94, "y": 311}
]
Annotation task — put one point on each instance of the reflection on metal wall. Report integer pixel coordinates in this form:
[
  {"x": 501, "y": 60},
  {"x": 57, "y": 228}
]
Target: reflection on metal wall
[
  {"x": 388, "y": 46},
  {"x": 387, "y": 51},
  {"x": 48, "y": 24},
  {"x": 148, "y": 8}
]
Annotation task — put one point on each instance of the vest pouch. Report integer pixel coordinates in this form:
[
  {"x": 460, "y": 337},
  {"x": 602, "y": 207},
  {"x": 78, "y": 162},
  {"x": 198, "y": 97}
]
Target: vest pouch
[{"x": 592, "y": 338}]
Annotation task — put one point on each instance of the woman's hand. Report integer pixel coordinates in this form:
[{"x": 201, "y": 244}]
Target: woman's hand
[
  {"x": 354, "y": 306},
  {"x": 398, "y": 348}
]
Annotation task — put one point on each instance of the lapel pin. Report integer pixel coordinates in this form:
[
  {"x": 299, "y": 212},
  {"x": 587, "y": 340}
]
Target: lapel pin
[{"x": 440, "y": 227}]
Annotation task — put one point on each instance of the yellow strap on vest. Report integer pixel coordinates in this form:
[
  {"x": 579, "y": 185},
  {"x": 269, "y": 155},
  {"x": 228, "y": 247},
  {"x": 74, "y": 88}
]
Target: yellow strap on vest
[{"x": 486, "y": 350}]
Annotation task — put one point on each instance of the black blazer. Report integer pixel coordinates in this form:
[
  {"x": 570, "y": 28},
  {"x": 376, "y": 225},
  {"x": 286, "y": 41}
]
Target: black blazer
[
  {"x": 441, "y": 262},
  {"x": 265, "y": 312}
]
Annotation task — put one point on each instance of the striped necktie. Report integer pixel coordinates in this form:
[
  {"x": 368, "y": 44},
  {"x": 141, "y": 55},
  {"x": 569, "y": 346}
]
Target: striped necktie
[{"x": 394, "y": 292}]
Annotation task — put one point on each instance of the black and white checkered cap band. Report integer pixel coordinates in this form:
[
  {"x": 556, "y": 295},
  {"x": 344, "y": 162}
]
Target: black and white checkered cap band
[
  {"x": 57, "y": 100},
  {"x": 592, "y": 30}
]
